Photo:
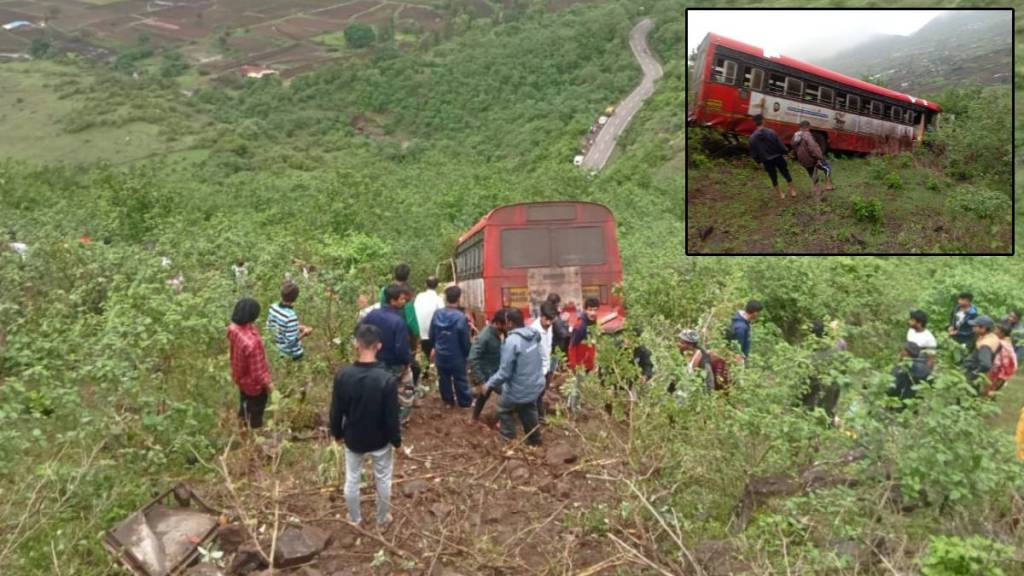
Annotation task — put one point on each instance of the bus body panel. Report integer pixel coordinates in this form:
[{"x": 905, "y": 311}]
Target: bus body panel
[
  {"x": 729, "y": 108},
  {"x": 525, "y": 287}
]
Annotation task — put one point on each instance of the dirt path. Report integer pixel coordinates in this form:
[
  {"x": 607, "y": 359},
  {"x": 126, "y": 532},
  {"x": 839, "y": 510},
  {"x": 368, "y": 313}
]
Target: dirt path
[
  {"x": 464, "y": 502},
  {"x": 604, "y": 144}
]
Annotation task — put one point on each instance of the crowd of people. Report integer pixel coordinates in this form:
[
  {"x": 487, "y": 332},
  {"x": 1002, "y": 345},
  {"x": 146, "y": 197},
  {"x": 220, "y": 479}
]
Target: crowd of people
[{"x": 373, "y": 398}]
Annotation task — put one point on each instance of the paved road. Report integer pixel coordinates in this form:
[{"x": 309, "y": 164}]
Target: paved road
[{"x": 603, "y": 145}]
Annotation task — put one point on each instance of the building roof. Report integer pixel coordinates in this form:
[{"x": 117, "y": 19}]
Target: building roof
[
  {"x": 16, "y": 24},
  {"x": 256, "y": 71},
  {"x": 819, "y": 71}
]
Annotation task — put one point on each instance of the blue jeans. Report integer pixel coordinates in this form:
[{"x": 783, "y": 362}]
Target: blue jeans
[{"x": 454, "y": 385}]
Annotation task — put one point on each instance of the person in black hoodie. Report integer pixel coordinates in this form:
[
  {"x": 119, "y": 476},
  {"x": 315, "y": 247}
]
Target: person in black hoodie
[
  {"x": 364, "y": 415},
  {"x": 767, "y": 149},
  {"x": 560, "y": 332}
]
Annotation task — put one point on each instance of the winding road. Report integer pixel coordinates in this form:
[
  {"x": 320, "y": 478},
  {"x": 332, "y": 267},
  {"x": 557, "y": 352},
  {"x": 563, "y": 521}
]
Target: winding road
[{"x": 604, "y": 144}]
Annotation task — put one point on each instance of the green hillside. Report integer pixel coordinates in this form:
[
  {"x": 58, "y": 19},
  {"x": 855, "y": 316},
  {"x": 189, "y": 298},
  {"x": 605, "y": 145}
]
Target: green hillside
[{"x": 114, "y": 386}]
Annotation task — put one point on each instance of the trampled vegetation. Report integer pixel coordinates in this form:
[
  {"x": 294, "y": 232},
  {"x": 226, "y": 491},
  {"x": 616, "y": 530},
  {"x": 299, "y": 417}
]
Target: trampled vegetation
[{"x": 113, "y": 385}]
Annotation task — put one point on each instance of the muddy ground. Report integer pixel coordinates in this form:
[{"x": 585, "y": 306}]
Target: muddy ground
[{"x": 464, "y": 501}]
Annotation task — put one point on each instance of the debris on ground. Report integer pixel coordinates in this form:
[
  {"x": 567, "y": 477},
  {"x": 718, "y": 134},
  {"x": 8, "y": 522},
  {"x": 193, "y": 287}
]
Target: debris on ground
[{"x": 163, "y": 536}]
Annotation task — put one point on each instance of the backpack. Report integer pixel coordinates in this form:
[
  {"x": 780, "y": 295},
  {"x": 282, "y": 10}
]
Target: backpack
[
  {"x": 1004, "y": 365},
  {"x": 730, "y": 332}
]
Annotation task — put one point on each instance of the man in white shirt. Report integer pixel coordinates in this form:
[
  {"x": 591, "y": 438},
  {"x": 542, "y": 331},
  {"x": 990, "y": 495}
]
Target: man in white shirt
[
  {"x": 426, "y": 304},
  {"x": 542, "y": 324},
  {"x": 919, "y": 334}
]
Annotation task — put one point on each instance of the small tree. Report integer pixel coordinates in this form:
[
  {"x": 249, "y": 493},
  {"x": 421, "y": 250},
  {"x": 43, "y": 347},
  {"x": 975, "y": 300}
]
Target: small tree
[
  {"x": 359, "y": 36},
  {"x": 39, "y": 48}
]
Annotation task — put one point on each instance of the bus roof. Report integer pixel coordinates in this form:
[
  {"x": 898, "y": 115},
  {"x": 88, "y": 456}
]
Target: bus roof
[
  {"x": 819, "y": 71},
  {"x": 483, "y": 221}
]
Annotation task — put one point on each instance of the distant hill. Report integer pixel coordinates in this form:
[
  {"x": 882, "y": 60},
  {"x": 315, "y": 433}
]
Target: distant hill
[{"x": 956, "y": 47}]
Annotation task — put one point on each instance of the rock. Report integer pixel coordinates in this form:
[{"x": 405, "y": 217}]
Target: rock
[
  {"x": 307, "y": 571},
  {"x": 561, "y": 454},
  {"x": 231, "y": 537},
  {"x": 299, "y": 544},
  {"x": 520, "y": 474},
  {"x": 492, "y": 515},
  {"x": 414, "y": 487},
  {"x": 441, "y": 510},
  {"x": 204, "y": 569},
  {"x": 247, "y": 560},
  {"x": 563, "y": 489}
]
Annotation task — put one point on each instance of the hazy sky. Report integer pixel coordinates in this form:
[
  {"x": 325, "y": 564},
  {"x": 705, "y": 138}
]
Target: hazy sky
[{"x": 804, "y": 34}]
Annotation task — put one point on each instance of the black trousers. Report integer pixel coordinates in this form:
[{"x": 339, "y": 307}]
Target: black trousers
[
  {"x": 427, "y": 346},
  {"x": 251, "y": 408},
  {"x": 777, "y": 163}
]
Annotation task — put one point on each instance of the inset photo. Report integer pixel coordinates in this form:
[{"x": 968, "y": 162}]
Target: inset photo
[{"x": 849, "y": 132}]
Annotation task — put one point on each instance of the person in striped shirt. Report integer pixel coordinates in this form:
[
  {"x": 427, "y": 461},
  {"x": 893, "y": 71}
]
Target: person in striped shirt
[{"x": 283, "y": 323}]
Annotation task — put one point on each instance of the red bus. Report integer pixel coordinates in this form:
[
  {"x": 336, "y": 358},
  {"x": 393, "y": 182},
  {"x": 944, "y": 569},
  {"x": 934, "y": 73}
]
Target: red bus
[
  {"x": 517, "y": 254},
  {"x": 733, "y": 80}
]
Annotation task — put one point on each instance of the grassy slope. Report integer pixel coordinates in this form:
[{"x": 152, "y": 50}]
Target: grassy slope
[
  {"x": 735, "y": 198},
  {"x": 33, "y": 115}
]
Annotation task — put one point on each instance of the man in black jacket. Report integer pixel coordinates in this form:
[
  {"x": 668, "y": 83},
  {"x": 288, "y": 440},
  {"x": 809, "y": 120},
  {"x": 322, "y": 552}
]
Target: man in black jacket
[
  {"x": 767, "y": 149},
  {"x": 364, "y": 414}
]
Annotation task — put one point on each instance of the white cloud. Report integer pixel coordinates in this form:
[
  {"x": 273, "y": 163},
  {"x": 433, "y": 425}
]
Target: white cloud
[{"x": 804, "y": 34}]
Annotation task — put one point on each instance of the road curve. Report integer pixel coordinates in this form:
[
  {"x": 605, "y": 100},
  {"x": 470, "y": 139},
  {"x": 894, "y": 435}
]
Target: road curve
[{"x": 604, "y": 144}]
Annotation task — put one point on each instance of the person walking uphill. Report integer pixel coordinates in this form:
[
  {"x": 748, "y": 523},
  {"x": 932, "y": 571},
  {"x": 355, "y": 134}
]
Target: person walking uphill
[
  {"x": 519, "y": 380},
  {"x": 960, "y": 320},
  {"x": 739, "y": 330},
  {"x": 449, "y": 331},
  {"x": 283, "y": 323},
  {"x": 249, "y": 367},
  {"x": 394, "y": 350},
  {"x": 364, "y": 415},
  {"x": 485, "y": 357},
  {"x": 401, "y": 275},
  {"x": 767, "y": 149},
  {"x": 426, "y": 304},
  {"x": 809, "y": 155}
]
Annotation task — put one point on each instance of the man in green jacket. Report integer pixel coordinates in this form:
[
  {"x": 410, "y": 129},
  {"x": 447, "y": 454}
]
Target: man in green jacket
[
  {"x": 485, "y": 358},
  {"x": 402, "y": 277}
]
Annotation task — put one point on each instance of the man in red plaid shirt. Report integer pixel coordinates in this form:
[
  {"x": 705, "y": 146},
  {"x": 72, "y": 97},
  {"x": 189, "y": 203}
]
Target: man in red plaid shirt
[{"x": 249, "y": 367}]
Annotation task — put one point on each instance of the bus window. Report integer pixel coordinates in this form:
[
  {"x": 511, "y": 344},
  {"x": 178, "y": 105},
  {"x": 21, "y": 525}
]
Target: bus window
[
  {"x": 525, "y": 248},
  {"x": 757, "y": 79},
  {"x": 853, "y": 103},
  {"x": 580, "y": 246},
  {"x": 825, "y": 95},
  {"x": 794, "y": 87},
  {"x": 724, "y": 71},
  {"x": 811, "y": 92},
  {"x": 776, "y": 82},
  {"x": 876, "y": 108},
  {"x": 897, "y": 113},
  {"x": 908, "y": 116},
  {"x": 840, "y": 100}
]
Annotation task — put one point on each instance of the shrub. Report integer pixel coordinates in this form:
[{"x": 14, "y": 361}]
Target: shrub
[
  {"x": 869, "y": 210},
  {"x": 974, "y": 556},
  {"x": 978, "y": 200},
  {"x": 892, "y": 181},
  {"x": 359, "y": 36}
]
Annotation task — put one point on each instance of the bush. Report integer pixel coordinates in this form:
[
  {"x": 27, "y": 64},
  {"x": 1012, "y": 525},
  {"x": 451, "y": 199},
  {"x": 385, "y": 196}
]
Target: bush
[
  {"x": 869, "y": 210},
  {"x": 359, "y": 36},
  {"x": 980, "y": 201},
  {"x": 892, "y": 181},
  {"x": 974, "y": 556}
]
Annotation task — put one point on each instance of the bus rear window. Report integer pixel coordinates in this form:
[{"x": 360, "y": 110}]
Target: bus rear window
[
  {"x": 550, "y": 212},
  {"x": 525, "y": 247},
  {"x": 580, "y": 246}
]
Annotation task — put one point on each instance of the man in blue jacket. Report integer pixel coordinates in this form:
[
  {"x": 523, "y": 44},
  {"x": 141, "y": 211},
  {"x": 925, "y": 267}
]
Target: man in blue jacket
[
  {"x": 766, "y": 148},
  {"x": 519, "y": 379},
  {"x": 394, "y": 337},
  {"x": 740, "y": 329},
  {"x": 449, "y": 331},
  {"x": 960, "y": 318}
]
